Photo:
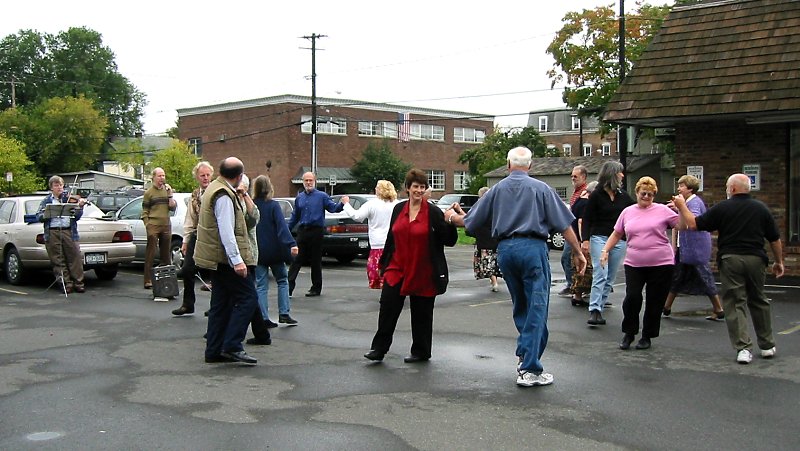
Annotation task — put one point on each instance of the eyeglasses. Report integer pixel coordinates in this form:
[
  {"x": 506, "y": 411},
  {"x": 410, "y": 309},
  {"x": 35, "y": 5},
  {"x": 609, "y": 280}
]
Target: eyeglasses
[{"x": 646, "y": 194}]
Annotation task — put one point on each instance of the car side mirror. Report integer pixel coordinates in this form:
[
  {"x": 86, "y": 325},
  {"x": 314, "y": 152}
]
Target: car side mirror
[{"x": 30, "y": 219}]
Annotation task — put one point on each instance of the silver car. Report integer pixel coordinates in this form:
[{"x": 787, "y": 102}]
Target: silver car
[
  {"x": 131, "y": 213},
  {"x": 104, "y": 243}
]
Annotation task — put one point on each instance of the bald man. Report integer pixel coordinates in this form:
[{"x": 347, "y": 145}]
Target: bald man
[
  {"x": 156, "y": 205},
  {"x": 309, "y": 217},
  {"x": 743, "y": 224}
]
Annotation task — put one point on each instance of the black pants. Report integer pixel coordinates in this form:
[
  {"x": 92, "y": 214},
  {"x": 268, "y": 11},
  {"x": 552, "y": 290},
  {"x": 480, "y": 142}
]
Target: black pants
[
  {"x": 421, "y": 321},
  {"x": 658, "y": 280},
  {"x": 187, "y": 273},
  {"x": 309, "y": 242}
]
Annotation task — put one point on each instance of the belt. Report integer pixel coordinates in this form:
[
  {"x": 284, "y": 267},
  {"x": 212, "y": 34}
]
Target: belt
[
  {"x": 523, "y": 235},
  {"x": 60, "y": 228}
]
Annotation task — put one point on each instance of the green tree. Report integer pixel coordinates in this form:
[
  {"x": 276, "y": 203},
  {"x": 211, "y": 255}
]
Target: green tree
[
  {"x": 378, "y": 162},
  {"x": 61, "y": 134},
  {"x": 177, "y": 161},
  {"x": 586, "y": 52},
  {"x": 491, "y": 154},
  {"x": 14, "y": 160},
  {"x": 72, "y": 63}
]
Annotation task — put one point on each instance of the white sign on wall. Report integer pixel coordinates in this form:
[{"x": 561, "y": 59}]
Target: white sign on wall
[
  {"x": 696, "y": 171},
  {"x": 753, "y": 171}
]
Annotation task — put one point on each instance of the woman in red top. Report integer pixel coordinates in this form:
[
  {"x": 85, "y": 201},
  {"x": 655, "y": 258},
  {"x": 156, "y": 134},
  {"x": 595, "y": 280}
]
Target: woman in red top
[{"x": 413, "y": 264}]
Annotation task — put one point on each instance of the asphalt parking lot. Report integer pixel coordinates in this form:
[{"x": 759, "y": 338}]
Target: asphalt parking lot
[{"x": 112, "y": 369}]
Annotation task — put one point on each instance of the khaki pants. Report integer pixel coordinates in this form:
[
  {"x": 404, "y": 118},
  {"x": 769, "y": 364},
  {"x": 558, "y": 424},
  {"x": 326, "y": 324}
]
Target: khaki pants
[
  {"x": 158, "y": 236},
  {"x": 65, "y": 255},
  {"x": 742, "y": 279}
]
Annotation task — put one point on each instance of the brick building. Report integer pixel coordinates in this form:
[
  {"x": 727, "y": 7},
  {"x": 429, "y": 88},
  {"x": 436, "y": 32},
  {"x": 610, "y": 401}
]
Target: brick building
[
  {"x": 273, "y": 135},
  {"x": 725, "y": 76}
]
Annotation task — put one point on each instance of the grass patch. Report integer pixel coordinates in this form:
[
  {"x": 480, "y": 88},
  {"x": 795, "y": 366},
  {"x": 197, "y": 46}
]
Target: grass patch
[{"x": 463, "y": 238}]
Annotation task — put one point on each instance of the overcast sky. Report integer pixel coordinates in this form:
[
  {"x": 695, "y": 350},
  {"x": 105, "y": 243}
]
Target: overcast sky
[{"x": 475, "y": 56}]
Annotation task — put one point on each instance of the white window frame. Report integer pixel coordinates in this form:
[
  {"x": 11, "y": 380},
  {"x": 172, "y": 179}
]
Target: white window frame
[
  {"x": 427, "y": 132},
  {"x": 326, "y": 125},
  {"x": 606, "y": 149},
  {"x": 468, "y": 135},
  {"x": 542, "y": 123},
  {"x": 567, "y": 150},
  {"x": 196, "y": 146},
  {"x": 436, "y": 179},
  {"x": 377, "y": 128},
  {"x": 562, "y": 192},
  {"x": 576, "y": 122},
  {"x": 587, "y": 149},
  {"x": 461, "y": 180}
]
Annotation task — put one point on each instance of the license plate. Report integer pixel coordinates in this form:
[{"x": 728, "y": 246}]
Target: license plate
[
  {"x": 363, "y": 244},
  {"x": 95, "y": 258}
]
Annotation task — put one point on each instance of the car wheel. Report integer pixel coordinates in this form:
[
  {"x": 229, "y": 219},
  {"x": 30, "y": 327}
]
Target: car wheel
[
  {"x": 175, "y": 251},
  {"x": 107, "y": 272},
  {"x": 557, "y": 241},
  {"x": 345, "y": 258},
  {"x": 15, "y": 271}
]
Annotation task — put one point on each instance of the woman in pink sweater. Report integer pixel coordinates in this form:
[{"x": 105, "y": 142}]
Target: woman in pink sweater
[{"x": 649, "y": 261}]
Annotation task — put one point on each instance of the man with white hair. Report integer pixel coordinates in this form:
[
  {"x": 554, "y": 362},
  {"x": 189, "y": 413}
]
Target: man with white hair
[
  {"x": 522, "y": 211},
  {"x": 743, "y": 223}
]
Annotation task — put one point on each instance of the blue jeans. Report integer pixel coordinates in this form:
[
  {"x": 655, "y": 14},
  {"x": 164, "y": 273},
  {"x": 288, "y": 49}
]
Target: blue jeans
[
  {"x": 526, "y": 270},
  {"x": 280, "y": 273},
  {"x": 566, "y": 263},
  {"x": 233, "y": 301},
  {"x": 603, "y": 277}
]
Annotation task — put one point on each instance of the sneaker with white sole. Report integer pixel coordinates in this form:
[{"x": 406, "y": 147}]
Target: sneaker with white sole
[
  {"x": 494, "y": 288},
  {"x": 744, "y": 356},
  {"x": 528, "y": 379},
  {"x": 768, "y": 353}
]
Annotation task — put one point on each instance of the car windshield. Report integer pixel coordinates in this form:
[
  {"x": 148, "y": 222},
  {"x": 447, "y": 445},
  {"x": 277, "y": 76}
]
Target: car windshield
[{"x": 448, "y": 199}]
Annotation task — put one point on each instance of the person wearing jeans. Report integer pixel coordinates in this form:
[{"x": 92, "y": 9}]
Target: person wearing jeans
[{"x": 281, "y": 274}]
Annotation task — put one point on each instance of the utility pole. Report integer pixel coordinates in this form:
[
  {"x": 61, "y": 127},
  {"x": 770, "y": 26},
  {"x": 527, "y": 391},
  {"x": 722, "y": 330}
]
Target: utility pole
[
  {"x": 313, "y": 39},
  {"x": 622, "y": 131},
  {"x": 13, "y": 82}
]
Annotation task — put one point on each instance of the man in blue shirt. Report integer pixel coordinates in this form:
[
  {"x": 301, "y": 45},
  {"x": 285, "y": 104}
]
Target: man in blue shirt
[
  {"x": 309, "y": 217},
  {"x": 522, "y": 211}
]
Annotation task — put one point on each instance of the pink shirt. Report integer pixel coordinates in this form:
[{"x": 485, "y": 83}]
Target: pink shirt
[{"x": 646, "y": 231}]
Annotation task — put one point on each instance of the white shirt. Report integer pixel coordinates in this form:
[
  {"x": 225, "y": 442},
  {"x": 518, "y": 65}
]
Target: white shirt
[{"x": 379, "y": 213}]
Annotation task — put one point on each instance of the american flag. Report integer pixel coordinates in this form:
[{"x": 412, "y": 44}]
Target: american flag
[{"x": 404, "y": 127}]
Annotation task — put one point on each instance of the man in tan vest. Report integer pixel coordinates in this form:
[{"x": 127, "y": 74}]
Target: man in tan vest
[{"x": 224, "y": 248}]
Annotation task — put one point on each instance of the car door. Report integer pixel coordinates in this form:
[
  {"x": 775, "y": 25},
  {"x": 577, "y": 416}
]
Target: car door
[
  {"x": 131, "y": 214},
  {"x": 7, "y": 211}
]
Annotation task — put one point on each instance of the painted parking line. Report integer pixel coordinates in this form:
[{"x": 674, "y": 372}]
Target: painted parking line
[
  {"x": 790, "y": 330},
  {"x": 503, "y": 301},
  {"x": 13, "y": 291}
]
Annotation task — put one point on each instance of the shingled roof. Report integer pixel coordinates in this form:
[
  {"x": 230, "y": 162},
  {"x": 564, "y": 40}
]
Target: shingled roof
[
  {"x": 722, "y": 60},
  {"x": 563, "y": 165}
]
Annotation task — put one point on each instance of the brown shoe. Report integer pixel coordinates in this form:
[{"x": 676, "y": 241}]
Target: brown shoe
[
  {"x": 80, "y": 289},
  {"x": 148, "y": 285}
]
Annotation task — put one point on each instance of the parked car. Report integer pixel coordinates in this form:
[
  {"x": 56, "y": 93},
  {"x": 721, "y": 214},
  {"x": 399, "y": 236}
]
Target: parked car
[
  {"x": 131, "y": 213},
  {"x": 344, "y": 238},
  {"x": 104, "y": 243},
  {"x": 465, "y": 200},
  {"x": 111, "y": 201}
]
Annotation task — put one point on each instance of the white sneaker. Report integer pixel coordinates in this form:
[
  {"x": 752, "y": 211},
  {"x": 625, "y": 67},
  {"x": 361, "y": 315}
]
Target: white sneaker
[
  {"x": 494, "y": 287},
  {"x": 768, "y": 353},
  {"x": 744, "y": 357},
  {"x": 528, "y": 379}
]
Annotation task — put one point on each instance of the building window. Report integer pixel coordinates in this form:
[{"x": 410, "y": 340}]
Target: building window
[
  {"x": 542, "y": 123},
  {"x": 576, "y": 122},
  {"x": 381, "y": 129},
  {"x": 325, "y": 124},
  {"x": 468, "y": 135},
  {"x": 794, "y": 185},
  {"x": 460, "y": 180},
  {"x": 567, "y": 150},
  {"x": 606, "y": 149},
  {"x": 562, "y": 192},
  {"x": 196, "y": 146},
  {"x": 427, "y": 131},
  {"x": 587, "y": 150},
  {"x": 436, "y": 179}
]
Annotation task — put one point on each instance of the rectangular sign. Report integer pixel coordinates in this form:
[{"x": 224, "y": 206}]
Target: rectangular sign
[
  {"x": 753, "y": 171},
  {"x": 696, "y": 171}
]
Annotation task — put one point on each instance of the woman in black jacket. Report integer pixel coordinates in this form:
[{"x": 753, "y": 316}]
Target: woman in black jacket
[{"x": 413, "y": 264}]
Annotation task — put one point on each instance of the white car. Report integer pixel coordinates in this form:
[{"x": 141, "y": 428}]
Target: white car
[
  {"x": 104, "y": 243},
  {"x": 131, "y": 213}
]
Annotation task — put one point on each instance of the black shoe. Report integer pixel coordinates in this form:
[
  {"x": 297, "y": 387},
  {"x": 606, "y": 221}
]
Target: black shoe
[
  {"x": 240, "y": 356},
  {"x": 374, "y": 355},
  {"x": 626, "y": 341},
  {"x": 270, "y": 324},
  {"x": 666, "y": 311},
  {"x": 286, "y": 319},
  {"x": 205, "y": 313},
  {"x": 312, "y": 294},
  {"x": 183, "y": 310},
  {"x": 219, "y": 359},
  {"x": 596, "y": 318},
  {"x": 415, "y": 359},
  {"x": 260, "y": 342},
  {"x": 644, "y": 343},
  {"x": 579, "y": 303}
]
